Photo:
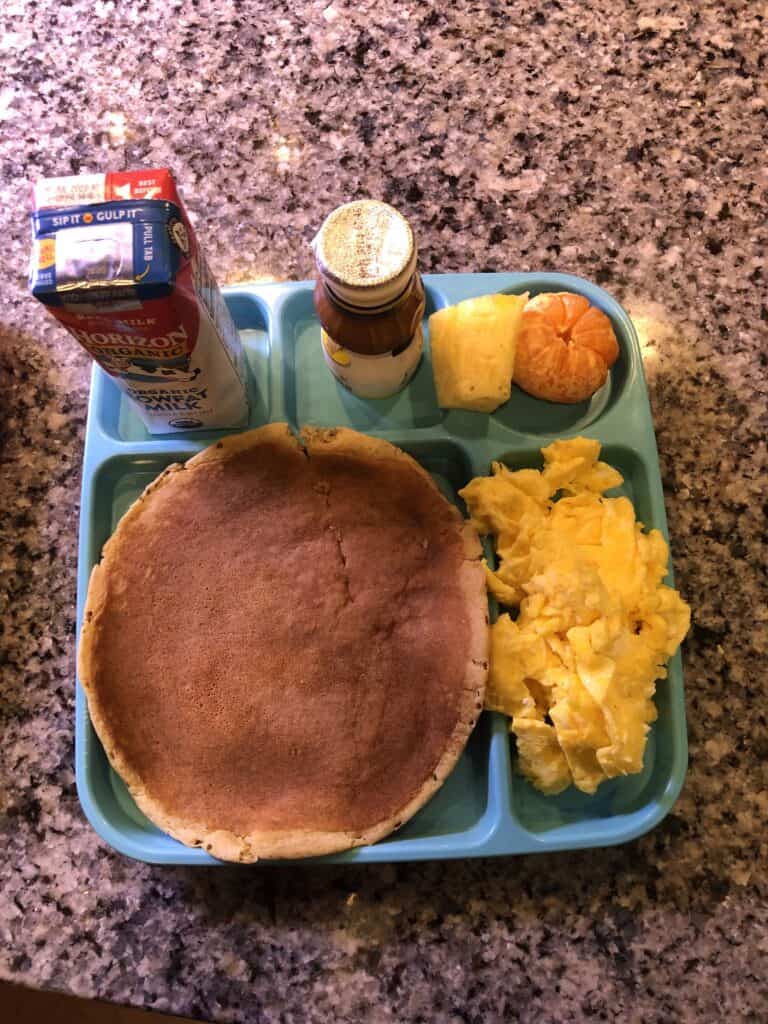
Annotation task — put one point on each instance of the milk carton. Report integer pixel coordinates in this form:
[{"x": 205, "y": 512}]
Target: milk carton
[{"x": 115, "y": 259}]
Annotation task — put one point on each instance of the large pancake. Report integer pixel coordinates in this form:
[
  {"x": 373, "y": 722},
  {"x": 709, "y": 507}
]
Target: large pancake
[{"x": 284, "y": 647}]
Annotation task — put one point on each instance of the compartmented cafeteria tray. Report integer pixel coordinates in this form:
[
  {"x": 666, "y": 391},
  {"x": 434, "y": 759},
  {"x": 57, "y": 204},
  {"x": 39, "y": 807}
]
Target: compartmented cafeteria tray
[{"x": 483, "y": 809}]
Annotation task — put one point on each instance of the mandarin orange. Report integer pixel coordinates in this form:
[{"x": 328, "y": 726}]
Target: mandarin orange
[{"x": 565, "y": 348}]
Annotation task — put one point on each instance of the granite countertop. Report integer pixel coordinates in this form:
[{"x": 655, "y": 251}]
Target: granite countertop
[{"x": 612, "y": 141}]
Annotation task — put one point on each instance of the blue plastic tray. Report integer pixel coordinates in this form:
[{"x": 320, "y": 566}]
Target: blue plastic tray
[{"x": 483, "y": 809}]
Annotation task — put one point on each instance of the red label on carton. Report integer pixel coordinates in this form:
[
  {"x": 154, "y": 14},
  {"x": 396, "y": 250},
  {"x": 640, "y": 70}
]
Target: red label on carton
[{"x": 116, "y": 260}]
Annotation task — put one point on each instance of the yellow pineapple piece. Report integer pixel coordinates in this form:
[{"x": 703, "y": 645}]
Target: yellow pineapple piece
[{"x": 473, "y": 351}]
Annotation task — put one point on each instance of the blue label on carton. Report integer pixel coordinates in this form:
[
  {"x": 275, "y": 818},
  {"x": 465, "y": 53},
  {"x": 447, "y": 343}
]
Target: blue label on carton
[{"x": 123, "y": 248}]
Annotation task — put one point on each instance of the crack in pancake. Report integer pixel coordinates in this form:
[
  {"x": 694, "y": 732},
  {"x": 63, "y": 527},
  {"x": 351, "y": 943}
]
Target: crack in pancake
[
  {"x": 324, "y": 488},
  {"x": 284, "y": 648}
]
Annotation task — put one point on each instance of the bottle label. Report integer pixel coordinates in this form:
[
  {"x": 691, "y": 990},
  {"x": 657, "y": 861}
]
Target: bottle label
[{"x": 373, "y": 376}]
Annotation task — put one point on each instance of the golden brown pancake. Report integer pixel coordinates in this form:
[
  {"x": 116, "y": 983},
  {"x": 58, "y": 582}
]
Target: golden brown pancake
[{"x": 284, "y": 647}]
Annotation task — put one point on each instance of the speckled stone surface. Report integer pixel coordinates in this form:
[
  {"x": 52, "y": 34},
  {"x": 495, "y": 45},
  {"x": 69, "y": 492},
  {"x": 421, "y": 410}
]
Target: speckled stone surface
[{"x": 623, "y": 142}]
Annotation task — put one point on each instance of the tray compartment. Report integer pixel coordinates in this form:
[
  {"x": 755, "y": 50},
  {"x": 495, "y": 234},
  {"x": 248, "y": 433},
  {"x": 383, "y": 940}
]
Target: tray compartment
[
  {"x": 522, "y": 412},
  {"x": 623, "y": 807},
  {"x": 532, "y": 416},
  {"x": 461, "y": 815},
  {"x": 619, "y": 804},
  {"x": 313, "y": 396}
]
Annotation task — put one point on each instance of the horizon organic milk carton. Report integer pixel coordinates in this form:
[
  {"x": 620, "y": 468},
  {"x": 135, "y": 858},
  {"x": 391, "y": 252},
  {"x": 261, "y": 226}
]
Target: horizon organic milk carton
[{"x": 115, "y": 259}]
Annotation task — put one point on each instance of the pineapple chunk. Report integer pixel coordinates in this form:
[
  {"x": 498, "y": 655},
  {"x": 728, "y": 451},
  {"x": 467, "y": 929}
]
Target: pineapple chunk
[{"x": 473, "y": 351}]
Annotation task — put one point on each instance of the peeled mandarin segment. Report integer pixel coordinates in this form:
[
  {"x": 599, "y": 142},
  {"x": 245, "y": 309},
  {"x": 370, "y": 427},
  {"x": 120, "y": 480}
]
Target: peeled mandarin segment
[
  {"x": 549, "y": 307},
  {"x": 593, "y": 330},
  {"x": 575, "y": 307},
  {"x": 540, "y": 334},
  {"x": 564, "y": 349},
  {"x": 561, "y": 309},
  {"x": 584, "y": 361}
]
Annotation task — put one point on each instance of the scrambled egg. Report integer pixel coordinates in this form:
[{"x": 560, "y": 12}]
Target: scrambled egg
[{"x": 576, "y": 669}]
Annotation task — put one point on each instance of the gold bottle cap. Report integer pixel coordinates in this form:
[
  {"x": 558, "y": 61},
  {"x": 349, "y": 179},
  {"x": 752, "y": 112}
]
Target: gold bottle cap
[{"x": 365, "y": 249}]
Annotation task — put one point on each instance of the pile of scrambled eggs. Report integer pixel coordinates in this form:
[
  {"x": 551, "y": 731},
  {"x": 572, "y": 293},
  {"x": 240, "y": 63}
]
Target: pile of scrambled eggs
[{"x": 576, "y": 669}]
